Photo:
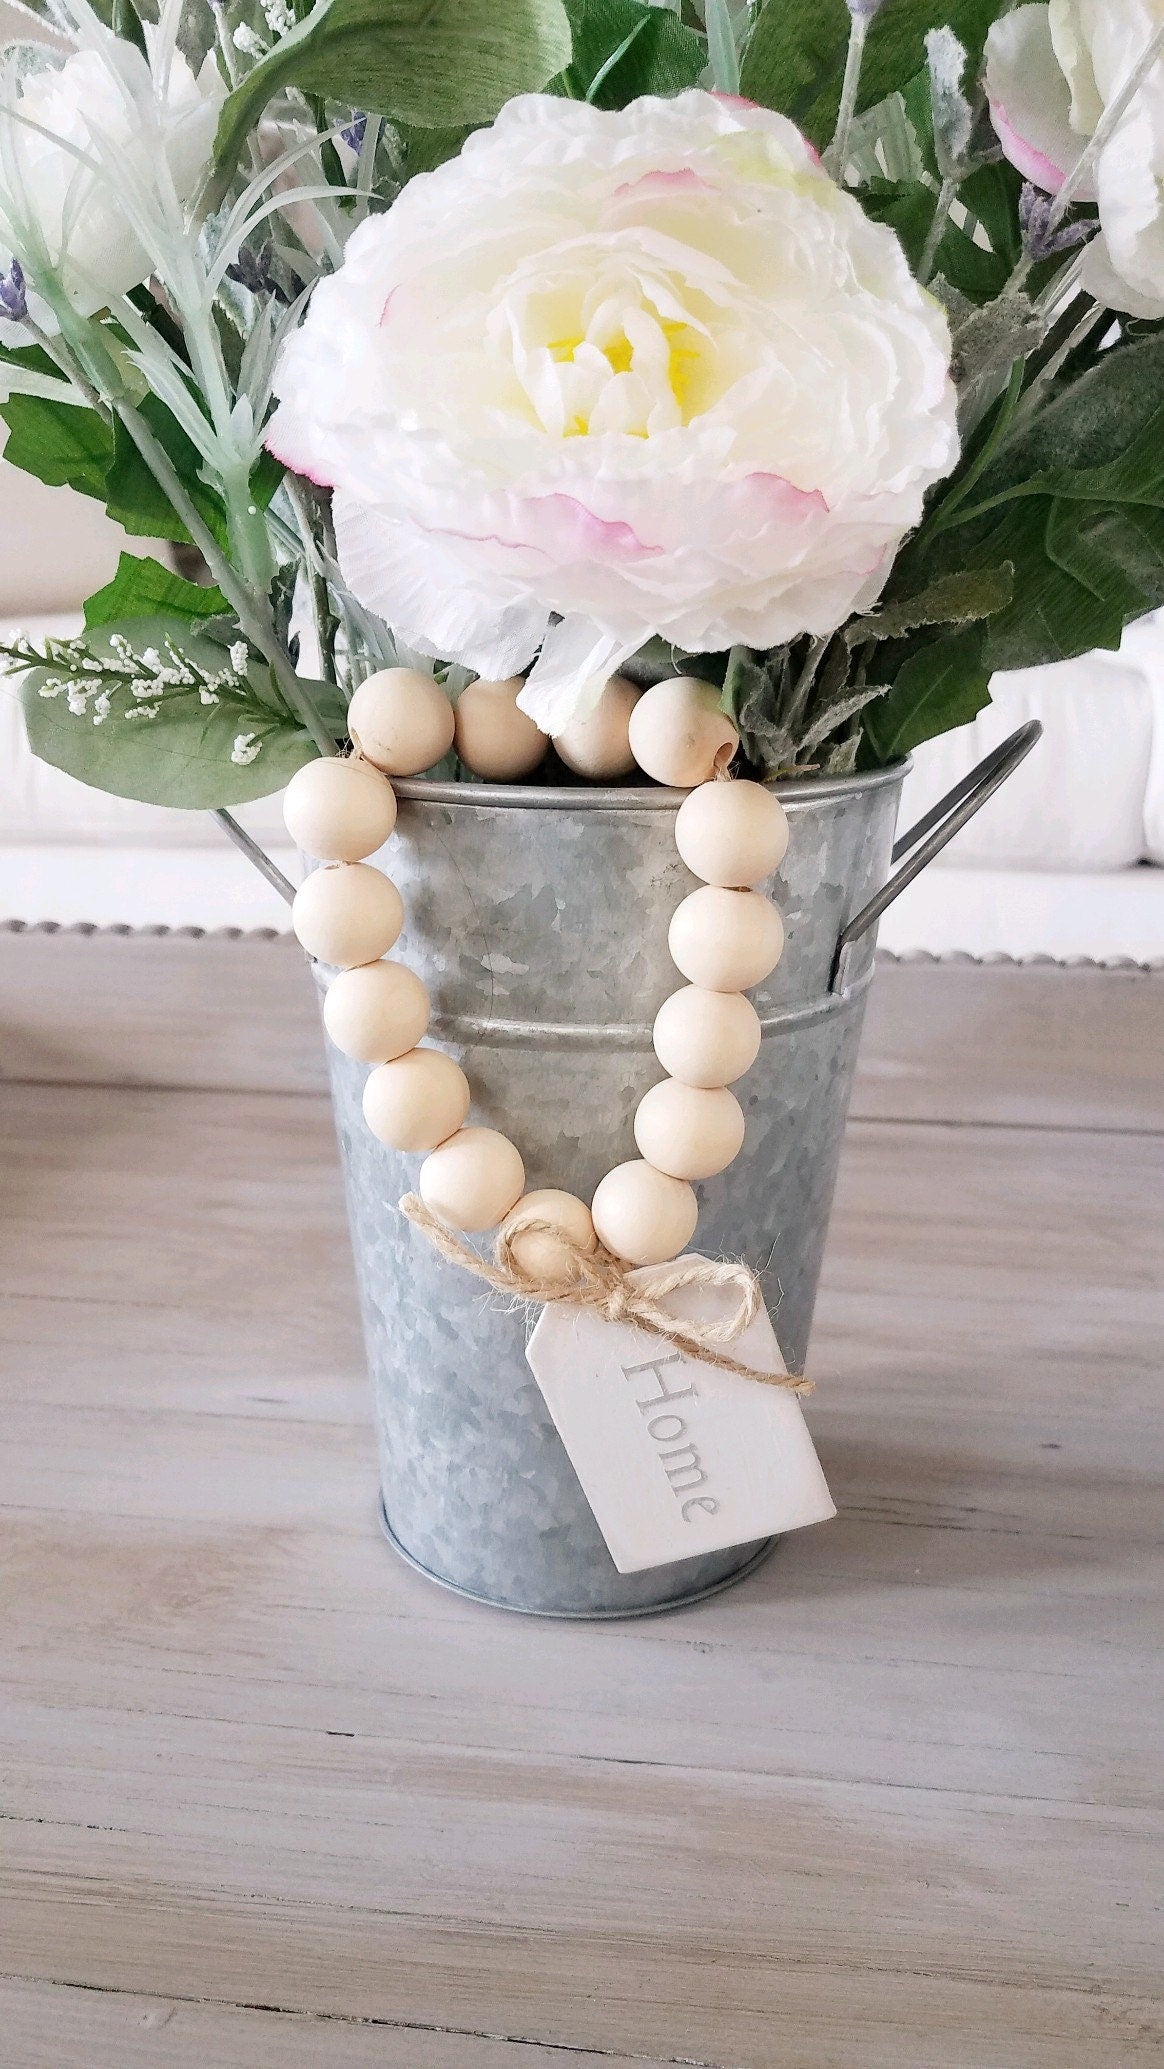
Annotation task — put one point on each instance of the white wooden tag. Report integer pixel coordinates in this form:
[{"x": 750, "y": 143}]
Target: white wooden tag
[{"x": 676, "y": 1457}]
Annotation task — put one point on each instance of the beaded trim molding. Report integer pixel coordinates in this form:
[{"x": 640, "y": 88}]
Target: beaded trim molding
[{"x": 909, "y": 958}]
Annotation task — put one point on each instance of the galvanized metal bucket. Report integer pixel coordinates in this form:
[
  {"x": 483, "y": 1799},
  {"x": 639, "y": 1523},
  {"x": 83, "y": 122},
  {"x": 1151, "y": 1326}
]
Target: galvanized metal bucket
[{"x": 538, "y": 920}]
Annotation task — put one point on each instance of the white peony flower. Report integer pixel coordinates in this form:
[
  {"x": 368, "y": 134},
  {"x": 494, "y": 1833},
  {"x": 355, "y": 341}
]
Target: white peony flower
[
  {"x": 1051, "y": 71},
  {"x": 608, "y": 375},
  {"x": 81, "y": 145}
]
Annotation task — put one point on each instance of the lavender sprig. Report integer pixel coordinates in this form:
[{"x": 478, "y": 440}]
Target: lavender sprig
[
  {"x": 13, "y": 298},
  {"x": 254, "y": 271},
  {"x": 1041, "y": 238}
]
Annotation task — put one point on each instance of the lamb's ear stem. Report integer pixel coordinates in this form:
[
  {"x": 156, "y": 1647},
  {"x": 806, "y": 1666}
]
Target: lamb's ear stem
[{"x": 861, "y": 13}]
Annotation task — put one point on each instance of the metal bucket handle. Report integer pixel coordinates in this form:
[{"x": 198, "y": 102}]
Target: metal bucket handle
[{"x": 933, "y": 832}]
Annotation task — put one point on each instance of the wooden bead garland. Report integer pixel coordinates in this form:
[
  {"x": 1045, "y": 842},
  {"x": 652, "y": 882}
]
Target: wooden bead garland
[
  {"x": 679, "y": 735},
  {"x": 539, "y": 1251},
  {"x": 377, "y": 1012},
  {"x": 401, "y": 721},
  {"x": 347, "y": 913},
  {"x": 493, "y": 738},
  {"x": 473, "y": 1179},
  {"x": 417, "y": 1101},
  {"x": 724, "y": 937},
  {"x": 731, "y": 834},
  {"x": 707, "y": 1038},
  {"x": 339, "y": 811},
  {"x": 597, "y": 745},
  {"x": 689, "y": 1131},
  {"x": 725, "y": 940},
  {"x": 642, "y": 1215}
]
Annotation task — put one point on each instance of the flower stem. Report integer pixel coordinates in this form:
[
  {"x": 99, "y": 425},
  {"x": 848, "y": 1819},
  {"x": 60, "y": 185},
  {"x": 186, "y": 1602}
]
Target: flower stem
[
  {"x": 837, "y": 152},
  {"x": 321, "y": 610},
  {"x": 242, "y": 600},
  {"x": 937, "y": 231},
  {"x": 1112, "y": 115}
]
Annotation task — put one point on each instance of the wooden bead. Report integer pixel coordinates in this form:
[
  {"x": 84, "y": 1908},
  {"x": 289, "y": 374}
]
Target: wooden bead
[
  {"x": 707, "y": 1038},
  {"x": 401, "y": 720},
  {"x": 733, "y": 834},
  {"x": 688, "y": 1132},
  {"x": 376, "y": 1013},
  {"x": 347, "y": 913},
  {"x": 598, "y": 744},
  {"x": 679, "y": 735},
  {"x": 642, "y": 1216},
  {"x": 472, "y": 1181},
  {"x": 539, "y": 1252},
  {"x": 725, "y": 940},
  {"x": 416, "y": 1101},
  {"x": 493, "y": 738},
  {"x": 338, "y": 810}
]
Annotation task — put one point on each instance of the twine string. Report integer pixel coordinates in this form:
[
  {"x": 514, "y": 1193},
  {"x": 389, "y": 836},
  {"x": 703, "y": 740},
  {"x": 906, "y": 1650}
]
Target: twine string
[{"x": 598, "y": 1281}]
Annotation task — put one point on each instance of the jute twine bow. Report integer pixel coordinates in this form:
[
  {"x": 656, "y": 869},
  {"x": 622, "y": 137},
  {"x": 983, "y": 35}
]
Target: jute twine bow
[{"x": 599, "y": 1282}]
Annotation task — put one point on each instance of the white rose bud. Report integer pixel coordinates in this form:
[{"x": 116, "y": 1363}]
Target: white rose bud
[{"x": 109, "y": 105}]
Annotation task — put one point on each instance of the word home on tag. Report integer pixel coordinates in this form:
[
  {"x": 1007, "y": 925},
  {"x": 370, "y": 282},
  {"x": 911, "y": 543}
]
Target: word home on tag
[{"x": 675, "y": 1456}]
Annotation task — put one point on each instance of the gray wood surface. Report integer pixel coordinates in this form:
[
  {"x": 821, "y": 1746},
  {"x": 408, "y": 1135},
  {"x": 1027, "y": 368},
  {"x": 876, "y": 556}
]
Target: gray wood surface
[{"x": 269, "y": 1798}]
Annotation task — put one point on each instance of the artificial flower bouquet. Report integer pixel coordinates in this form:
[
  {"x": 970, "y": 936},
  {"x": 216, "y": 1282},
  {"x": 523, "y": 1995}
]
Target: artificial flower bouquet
[
  {"x": 589, "y": 391},
  {"x": 541, "y": 339}
]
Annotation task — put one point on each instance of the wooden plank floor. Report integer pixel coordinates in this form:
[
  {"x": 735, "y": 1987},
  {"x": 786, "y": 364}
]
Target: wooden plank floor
[{"x": 271, "y": 1801}]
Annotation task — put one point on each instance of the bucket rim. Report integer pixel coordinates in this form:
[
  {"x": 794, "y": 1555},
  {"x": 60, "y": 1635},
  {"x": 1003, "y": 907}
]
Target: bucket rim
[{"x": 654, "y": 797}]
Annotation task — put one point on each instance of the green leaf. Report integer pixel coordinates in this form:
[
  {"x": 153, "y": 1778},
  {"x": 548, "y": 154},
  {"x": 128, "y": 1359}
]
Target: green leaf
[
  {"x": 651, "y": 51},
  {"x": 181, "y": 755},
  {"x": 138, "y": 502},
  {"x": 956, "y": 599},
  {"x": 67, "y": 447},
  {"x": 1101, "y": 437},
  {"x": 795, "y": 59},
  {"x": 434, "y": 63},
  {"x": 127, "y": 22},
  {"x": 1075, "y": 503},
  {"x": 425, "y": 149},
  {"x": 143, "y": 588},
  {"x": 831, "y": 717},
  {"x": 265, "y": 478},
  {"x": 943, "y": 685},
  {"x": 1082, "y": 572}
]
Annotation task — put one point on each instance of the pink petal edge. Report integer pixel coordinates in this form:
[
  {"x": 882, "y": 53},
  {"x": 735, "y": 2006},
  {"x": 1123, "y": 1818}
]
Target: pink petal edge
[
  {"x": 661, "y": 183},
  {"x": 286, "y": 459},
  {"x": 1033, "y": 164},
  {"x": 785, "y": 500},
  {"x": 560, "y": 528}
]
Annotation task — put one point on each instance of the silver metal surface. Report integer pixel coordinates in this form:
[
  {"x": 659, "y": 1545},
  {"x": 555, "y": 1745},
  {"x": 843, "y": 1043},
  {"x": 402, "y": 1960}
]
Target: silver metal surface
[
  {"x": 763, "y": 1552},
  {"x": 933, "y": 832},
  {"x": 541, "y": 919},
  {"x": 256, "y": 855}
]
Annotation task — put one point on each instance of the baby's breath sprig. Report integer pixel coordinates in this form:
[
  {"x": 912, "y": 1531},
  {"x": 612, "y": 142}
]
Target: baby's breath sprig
[{"x": 90, "y": 681}]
